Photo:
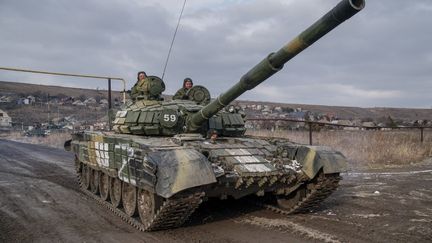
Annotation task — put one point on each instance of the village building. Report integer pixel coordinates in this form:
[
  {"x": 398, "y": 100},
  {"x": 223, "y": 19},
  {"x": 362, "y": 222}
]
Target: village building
[
  {"x": 277, "y": 109},
  {"x": 5, "y": 99},
  {"x": 23, "y": 101},
  {"x": 103, "y": 102},
  {"x": 78, "y": 103},
  {"x": 5, "y": 119},
  {"x": 368, "y": 126},
  {"x": 31, "y": 99},
  {"x": 90, "y": 101}
]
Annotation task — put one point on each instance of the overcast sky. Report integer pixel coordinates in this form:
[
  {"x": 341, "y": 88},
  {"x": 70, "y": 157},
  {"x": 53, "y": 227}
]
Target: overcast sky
[{"x": 380, "y": 57}]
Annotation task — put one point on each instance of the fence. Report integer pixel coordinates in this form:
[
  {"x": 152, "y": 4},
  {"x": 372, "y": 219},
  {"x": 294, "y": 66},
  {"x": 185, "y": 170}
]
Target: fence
[
  {"x": 310, "y": 124},
  {"x": 79, "y": 76}
]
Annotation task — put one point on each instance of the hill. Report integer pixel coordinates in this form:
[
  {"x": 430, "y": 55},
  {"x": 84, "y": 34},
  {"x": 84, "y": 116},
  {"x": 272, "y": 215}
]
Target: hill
[
  {"x": 347, "y": 112},
  {"x": 24, "y": 89},
  {"x": 342, "y": 112}
]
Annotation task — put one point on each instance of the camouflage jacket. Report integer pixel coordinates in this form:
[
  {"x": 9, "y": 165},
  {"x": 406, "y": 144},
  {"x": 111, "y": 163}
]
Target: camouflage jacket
[
  {"x": 140, "y": 88},
  {"x": 181, "y": 94}
]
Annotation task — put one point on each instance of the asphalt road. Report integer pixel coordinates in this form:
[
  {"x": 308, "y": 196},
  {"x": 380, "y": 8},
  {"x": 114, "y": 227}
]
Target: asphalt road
[{"x": 40, "y": 202}]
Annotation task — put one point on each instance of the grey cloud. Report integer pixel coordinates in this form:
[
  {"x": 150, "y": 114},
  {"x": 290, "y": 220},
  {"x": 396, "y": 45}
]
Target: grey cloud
[{"x": 384, "y": 48}]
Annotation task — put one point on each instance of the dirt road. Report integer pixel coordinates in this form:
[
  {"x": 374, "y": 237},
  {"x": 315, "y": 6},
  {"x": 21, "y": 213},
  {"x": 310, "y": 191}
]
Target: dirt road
[{"x": 40, "y": 201}]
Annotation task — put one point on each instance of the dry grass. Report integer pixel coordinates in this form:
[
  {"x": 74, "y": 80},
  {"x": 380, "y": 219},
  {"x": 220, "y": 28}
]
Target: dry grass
[
  {"x": 55, "y": 140},
  {"x": 373, "y": 149}
]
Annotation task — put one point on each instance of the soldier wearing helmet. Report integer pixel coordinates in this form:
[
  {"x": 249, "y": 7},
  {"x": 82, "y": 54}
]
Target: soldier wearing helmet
[
  {"x": 181, "y": 94},
  {"x": 141, "y": 87}
]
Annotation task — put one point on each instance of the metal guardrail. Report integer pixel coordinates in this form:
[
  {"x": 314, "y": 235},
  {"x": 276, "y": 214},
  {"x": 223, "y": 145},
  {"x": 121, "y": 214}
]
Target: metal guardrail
[
  {"x": 80, "y": 76},
  {"x": 309, "y": 123}
]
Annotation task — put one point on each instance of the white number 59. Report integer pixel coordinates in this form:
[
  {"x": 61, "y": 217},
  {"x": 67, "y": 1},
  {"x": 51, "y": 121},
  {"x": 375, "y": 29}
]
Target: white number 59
[{"x": 170, "y": 118}]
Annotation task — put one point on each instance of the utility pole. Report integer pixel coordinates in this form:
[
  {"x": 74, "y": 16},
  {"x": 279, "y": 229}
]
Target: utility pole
[{"x": 48, "y": 109}]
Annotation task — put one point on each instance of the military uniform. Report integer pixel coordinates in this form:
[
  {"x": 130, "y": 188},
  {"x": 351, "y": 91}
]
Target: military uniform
[
  {"x": 181, "y": 94},
  {"x": 141, "y": 88}
]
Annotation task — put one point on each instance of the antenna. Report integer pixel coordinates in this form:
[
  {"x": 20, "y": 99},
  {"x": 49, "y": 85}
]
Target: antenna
[{"x": 172, "y": 41}]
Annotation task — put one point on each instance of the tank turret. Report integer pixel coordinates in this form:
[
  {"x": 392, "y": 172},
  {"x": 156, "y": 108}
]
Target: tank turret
[{"x": 275, "y": 61}]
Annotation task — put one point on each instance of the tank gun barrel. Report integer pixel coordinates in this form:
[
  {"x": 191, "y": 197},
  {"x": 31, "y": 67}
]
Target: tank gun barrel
[{"x": 275, "y": 61}]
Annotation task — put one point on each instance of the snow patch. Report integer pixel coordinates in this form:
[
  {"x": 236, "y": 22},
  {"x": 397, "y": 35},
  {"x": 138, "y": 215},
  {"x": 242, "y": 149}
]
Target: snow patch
[
  {"x": 287, "y": 225},
  {"x": 366, "y": 216}
]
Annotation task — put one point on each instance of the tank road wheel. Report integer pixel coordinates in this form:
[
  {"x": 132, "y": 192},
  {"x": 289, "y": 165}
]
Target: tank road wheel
[
  {"x": 290, "y": 201},
  {"x": 104, "y": 186},
  {"x": 115, "y": 191},
  {"x": 309, "y": 195},
  {"x": 148, "y": 205},
  {"x": 129, "y": 198},
  {"x": 85, "y": 177},
  {"x": 94, "y": 181}
]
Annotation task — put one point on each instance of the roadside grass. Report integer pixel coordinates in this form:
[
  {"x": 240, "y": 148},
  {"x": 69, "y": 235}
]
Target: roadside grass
[{"x": 370, "y": 149}]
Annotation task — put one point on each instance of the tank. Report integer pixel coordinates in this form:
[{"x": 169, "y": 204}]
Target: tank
[{"x": 163, "y": 158}]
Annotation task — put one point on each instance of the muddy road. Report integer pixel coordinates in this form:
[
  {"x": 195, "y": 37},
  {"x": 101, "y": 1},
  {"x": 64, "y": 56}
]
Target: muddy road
[{"x": 40, "y": 202}]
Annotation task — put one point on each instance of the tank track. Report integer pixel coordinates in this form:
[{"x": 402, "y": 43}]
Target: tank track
[
  {"x": 316, "y": 193},
  {"x": 172, "y": 213}
]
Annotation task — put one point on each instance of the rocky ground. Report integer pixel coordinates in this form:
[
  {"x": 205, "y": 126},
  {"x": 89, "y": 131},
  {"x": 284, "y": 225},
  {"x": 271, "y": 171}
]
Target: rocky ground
[{"x": 40, "y": 201}]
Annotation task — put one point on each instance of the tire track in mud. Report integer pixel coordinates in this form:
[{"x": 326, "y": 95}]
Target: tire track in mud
[
  {"x": 396, "y": 173},
  {"x": 289, "y": 227},
  {"x": 32, "y": 164}
]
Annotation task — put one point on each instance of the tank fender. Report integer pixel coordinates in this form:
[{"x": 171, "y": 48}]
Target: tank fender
[
  {"x": 180, "y": 169},
  {"x": 315, "y": 158}
]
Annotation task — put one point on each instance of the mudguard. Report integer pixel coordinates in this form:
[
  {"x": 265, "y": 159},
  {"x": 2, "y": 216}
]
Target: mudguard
[
  {"x": 313, "y": 158},
  {"x": 180, "y": 169}
]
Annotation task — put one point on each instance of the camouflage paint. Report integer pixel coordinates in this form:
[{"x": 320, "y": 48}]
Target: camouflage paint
[
  {"x": 315, "y": 158},
  {"x": 180, "y": 169}
]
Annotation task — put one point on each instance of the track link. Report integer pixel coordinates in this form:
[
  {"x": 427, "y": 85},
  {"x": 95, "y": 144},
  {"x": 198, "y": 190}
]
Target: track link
[
  {"x": 172, "y": 213},
  {"x": 317, "y": 190}
]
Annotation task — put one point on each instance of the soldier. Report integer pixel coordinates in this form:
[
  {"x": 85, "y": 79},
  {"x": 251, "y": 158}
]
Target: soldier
[
  {"x": 141, "y": 86},
  {"x": 213, "y": 136},
  {"x": 181, "y": 94}
]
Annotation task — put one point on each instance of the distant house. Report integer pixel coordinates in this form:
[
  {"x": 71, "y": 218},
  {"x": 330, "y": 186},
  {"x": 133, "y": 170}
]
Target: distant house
[
  {"x": 103, "y": 102},
  {"x": 323, "y": 120},
  {"x": 78, "y": 103},
  {"x": 277, "y": 109},
  {"x": 419, "y": 123},
  {"x": 67, "y": 100},
  {"x": 31, "y": 99},
  {"x": 343, "y": 122},
  {"x": 5, "y": 99},
  {"x": 5, "y": 119},
  {"x": 300, "y": 115},
  {"x": 369, "y": 125},
  {"x": 90, "y": 101},
  {"x": 383, "y": 127},
  {"x": 266, "y": 109},
  {"x": 23, "y": 101}
]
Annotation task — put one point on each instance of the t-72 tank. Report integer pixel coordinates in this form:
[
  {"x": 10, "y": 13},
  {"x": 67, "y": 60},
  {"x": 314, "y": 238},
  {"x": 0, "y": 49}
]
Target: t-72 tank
[{"x": 164, "y": 158}]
